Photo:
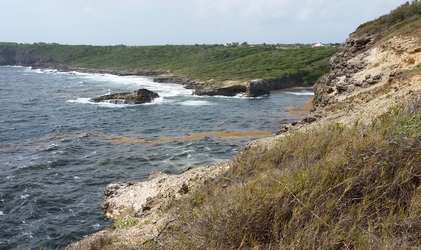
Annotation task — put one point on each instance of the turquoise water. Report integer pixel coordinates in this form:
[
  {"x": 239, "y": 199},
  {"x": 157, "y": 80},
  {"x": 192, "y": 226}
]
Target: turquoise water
[{"x": 58, "y": 150}]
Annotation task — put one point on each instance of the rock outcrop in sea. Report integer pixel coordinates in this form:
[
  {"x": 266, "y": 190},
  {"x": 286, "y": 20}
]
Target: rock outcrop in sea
[{"x": 139, "y": 96}]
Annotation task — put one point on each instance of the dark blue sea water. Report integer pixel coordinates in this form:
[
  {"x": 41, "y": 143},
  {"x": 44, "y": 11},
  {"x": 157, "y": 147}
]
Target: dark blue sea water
[{"x": 58, "y": 151}]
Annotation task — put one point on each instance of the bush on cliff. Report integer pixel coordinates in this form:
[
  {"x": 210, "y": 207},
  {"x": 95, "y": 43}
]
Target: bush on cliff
[{"x": 332, "y": 188}]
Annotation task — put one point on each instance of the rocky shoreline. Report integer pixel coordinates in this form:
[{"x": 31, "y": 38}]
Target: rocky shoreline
[
  {"x": 369, "y": 76},
  {"x": 145, "y": 203},
  {"x": 251, "y": 88}
]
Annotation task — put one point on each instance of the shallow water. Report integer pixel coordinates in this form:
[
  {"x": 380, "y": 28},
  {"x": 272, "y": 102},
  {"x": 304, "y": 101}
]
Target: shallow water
[{"x": 58, "y": 150}]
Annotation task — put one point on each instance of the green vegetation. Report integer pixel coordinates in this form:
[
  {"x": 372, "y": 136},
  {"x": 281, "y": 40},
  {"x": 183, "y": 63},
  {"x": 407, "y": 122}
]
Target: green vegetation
[
  {"x": 407, "y": 16},
  {"x": 200, "y": 62},
  {"x": 332, "y": 188},
  {"x": 125, "y": 222}
]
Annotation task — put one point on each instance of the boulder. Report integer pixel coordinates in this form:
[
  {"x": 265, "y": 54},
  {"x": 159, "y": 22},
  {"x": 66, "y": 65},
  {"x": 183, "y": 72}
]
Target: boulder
[
  {"x": 257, "y": 88},
  {"x": 139, "y": 96}
]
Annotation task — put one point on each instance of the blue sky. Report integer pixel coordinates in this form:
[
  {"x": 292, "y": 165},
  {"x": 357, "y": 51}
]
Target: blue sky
[{"x": 146, "y": 22}]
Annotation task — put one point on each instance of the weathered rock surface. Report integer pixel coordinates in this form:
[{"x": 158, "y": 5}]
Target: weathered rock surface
[
  {"x": 147, "y": 203},
  {"x": 365, "y": 62},
  {"x": 139, "y": 96},
  {"x": 142, "y": 197},
  {"x": 257, "y": 88},
  {"x": 253, "y": 88},
  {"x": 348, "y": 61}
]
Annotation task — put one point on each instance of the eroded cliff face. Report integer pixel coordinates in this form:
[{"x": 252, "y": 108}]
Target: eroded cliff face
[
  {"x": 369, "y": 75},
  {"x": 365, "y": 63},
  {"x": 343, "y": 66},
  {"x": 7, "y": 56},
  {"x": 22, "y": 57}
]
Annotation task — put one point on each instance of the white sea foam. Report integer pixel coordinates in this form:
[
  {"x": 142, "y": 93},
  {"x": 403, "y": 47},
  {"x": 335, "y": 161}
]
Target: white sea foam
[
  {"x": 13, "y": 66},
  {"x": 113, "y": 105},
  {"x": 299, "y": 93},
  {"x": 28, "y": 69},
  {"x": 38, "y": 71},
  {"x": 24, "y": 196},
  {"x": 81, "y": 100},
  {"x": 46, "y": 71},
  {"x": 50, "y": 71},
  {"x": 1, "y": 213},
  {"x": 101, "y": 104},
  {"x": 196, "y": 103},
  {"x": 163, "y": 89},
  {"x": 135, "y": 82},
  {"x": 237, "y": 96}
]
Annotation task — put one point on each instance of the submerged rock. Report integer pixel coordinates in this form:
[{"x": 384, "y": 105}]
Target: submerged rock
[{"x": 139, "y": 96}]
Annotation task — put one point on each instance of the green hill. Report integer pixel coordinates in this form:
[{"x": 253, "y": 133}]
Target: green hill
[
  {"x": 404, "y": 19},
  {"x": 201, "y": 62}
]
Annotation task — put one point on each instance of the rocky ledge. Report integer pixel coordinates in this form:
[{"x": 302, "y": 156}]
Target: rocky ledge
[
  {"x": 146, "y": 203},
  {"x": 221, "y": 91},
  {"x": 253, "y": 88},
  {"x": 139, "y": 96}
]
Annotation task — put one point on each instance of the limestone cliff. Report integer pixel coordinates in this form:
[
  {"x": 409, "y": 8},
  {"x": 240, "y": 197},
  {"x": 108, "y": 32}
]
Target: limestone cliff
[{"x": 378, "y": 65}]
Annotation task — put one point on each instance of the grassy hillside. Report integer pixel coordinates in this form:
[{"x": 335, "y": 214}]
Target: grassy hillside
[
  {"x": 333, "y": 188},
  {"x": 197, "y": 62},
  {"x": 405, "y": 19}
]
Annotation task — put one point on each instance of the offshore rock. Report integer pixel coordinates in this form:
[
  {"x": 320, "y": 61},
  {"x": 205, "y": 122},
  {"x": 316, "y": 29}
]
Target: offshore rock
[
  {"x": 257, "y": 88},
  {"x": 139, "y": 96}
]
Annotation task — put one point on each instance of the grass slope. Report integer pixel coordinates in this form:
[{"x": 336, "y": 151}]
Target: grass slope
[
  {"x": 404, "y": 19},
  {"x": 202, "y": 62},
  {"x": 333, "y": 188}
]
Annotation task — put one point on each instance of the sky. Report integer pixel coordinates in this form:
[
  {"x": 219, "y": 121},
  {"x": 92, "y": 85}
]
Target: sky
[{"x": 154, "y": 22}]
